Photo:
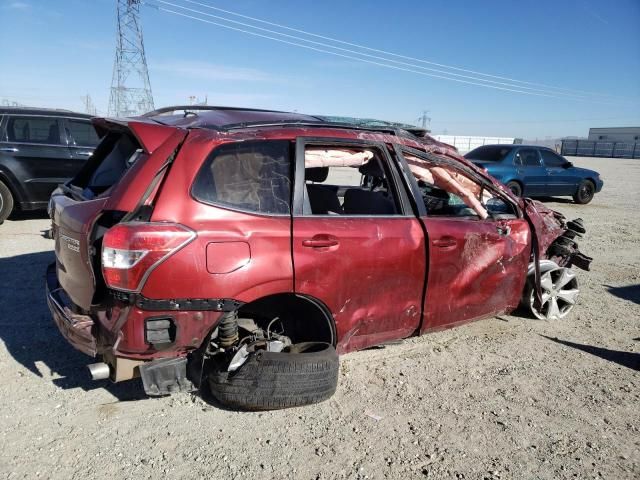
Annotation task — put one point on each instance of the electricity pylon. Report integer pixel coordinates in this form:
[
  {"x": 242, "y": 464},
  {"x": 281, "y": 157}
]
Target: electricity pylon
[{"x": 130, "y": 86}]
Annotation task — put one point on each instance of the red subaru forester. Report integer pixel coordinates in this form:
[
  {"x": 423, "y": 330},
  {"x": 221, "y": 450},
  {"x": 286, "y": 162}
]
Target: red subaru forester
[{"x": 243, "y": 250}]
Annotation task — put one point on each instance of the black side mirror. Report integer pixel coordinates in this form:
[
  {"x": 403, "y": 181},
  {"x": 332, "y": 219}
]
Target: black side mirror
[{"x": 568, "y": 165}]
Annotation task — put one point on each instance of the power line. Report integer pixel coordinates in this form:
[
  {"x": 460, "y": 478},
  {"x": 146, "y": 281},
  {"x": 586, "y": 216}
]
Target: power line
[
  {"x": 376, "y": 57},
  {"x": 571, "y": 120},
  {"x": 515, "y": 90},
  {"x": 285, "y": 27}
]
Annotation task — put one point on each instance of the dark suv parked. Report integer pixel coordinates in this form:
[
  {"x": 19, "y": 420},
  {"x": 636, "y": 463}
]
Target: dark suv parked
[{"x": 40, "y": 149}]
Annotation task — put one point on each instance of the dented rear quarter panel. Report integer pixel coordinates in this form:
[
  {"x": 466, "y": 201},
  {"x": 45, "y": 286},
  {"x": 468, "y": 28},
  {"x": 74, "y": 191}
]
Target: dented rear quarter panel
[{"x": 191, "y": 272}]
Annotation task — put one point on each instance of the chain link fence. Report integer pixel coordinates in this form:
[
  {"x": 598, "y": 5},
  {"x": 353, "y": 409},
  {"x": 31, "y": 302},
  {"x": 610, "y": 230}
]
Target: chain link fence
[{"x": 590, "y": 148}]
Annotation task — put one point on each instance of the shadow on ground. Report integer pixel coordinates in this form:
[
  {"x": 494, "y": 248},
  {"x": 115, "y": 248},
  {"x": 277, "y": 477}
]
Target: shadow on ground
[
  {"x": 555, "y": 199},
  {"x": 630, "y": 292},
  {"x": 31, "y": 337},
  {"x": 29, "y": 215},
  {"x": 626, "y": 359}
]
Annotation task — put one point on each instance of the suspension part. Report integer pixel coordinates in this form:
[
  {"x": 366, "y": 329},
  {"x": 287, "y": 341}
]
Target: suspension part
[{"x": 228, "y": 330}]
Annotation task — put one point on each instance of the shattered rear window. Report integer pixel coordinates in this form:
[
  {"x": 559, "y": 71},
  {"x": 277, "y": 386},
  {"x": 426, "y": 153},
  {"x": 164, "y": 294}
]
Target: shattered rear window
[{"x": 253, "y": 176}]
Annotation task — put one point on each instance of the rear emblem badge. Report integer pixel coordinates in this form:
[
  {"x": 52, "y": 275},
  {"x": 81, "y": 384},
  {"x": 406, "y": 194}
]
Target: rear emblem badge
[{"x": 72, "y": 243}]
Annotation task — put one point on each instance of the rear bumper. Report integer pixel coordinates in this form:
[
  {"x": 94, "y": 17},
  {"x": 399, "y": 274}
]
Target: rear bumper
[{"x": 77, "y": 329}]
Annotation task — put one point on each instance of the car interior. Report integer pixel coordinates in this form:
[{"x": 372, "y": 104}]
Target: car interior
[
  {"x": 451, "y": 198},
  {"x": 346, "y": 187}
]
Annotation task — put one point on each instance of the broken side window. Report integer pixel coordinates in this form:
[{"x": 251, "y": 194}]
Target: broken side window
[
  {"x": 447, "y": 191},
  {"x": 347, "y": 181}
]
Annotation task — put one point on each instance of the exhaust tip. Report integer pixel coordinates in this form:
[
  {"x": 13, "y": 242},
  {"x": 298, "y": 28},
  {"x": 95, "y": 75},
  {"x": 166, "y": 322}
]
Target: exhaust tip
[{"x": 99, "y": 371}]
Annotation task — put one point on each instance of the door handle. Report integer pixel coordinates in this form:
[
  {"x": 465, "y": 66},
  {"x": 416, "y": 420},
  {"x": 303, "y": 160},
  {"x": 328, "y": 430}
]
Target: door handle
[
  {"x": 84, "y": 154},
  {"x": 445, "y": 242},
  {"x": 320, "y": 242},
  {"x": 9, "y": 150},
  {"x": 503, "y": 230}
]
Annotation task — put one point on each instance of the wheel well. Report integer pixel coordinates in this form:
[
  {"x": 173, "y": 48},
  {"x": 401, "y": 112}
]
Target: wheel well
[
  {"x": 304, "y": 318},
  {"x": 17, "y": 196}
]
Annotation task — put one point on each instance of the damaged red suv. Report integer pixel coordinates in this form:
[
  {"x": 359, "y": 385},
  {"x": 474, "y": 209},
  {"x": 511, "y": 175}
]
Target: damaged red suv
[{"x": 243, "y": 250}]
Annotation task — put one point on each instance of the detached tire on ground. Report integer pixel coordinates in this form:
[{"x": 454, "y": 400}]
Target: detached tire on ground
[
  {"x": 306, "y": 374},
  {"x": 6, "y": 202}
]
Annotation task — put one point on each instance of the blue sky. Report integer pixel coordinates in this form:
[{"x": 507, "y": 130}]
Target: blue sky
[{"x": 56, "y": 51}]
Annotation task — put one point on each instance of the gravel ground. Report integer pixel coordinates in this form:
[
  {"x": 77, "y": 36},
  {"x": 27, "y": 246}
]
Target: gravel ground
[{"x": 508, "y": 397}]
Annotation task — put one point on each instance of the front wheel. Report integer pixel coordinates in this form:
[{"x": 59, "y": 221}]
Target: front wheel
[
  {"x": 559, "y": 294},
  {"x": 584, "y": 194},
  {"x": 6, "y": 202},
  {"x": 302, "y": 374}
]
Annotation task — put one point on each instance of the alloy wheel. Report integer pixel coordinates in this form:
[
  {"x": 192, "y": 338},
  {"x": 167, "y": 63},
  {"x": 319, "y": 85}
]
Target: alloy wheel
[
  {"x": 559, "y": 294},
  {"x": 586, "y": 191}
]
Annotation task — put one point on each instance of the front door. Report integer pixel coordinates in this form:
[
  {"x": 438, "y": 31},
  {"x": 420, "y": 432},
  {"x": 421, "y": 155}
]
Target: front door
[
  {"x": 531, "y": 171},
  {"x": 357, "y": 245},
  {"x": 561, "y": 180},
  {"x": 477, "y": 267}
]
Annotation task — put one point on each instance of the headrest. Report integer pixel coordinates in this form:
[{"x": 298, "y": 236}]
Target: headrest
[
  {"x": 316, "y": 174},
  {"x": 372, "y": 169}
]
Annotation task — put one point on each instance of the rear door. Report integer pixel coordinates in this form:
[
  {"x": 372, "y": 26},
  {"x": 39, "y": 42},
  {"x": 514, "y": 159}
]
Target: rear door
[
  {"x": 560, "y": 179},
  {"x": 357, "y": 245},
  {"x": 82, "y": 139},
  {"x": 529, "y": 168},
  {"x": 477, "y": 267},
  {"x": 42, "y": 159}
]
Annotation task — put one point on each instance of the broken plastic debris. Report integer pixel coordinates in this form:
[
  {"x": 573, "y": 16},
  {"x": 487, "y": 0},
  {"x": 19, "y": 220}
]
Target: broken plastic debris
[{"x": 377, "y": 418}]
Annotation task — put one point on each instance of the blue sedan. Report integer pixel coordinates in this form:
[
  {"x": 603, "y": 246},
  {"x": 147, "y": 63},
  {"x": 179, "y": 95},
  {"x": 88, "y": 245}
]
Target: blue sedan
[{"x": 533, "y": 171}]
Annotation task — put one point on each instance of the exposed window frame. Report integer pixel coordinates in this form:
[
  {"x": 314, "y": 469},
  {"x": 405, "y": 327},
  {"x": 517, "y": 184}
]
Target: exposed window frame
[
  {"x": 398, "y": 190},
  {"x": 484, "y": 183}
]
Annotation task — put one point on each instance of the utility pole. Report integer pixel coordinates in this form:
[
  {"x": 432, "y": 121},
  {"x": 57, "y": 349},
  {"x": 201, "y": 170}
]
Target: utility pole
[
  {"x": 89, "y": 107},
  {"x": 425, "y": 119},
  {"x": 130, "y": 86}
]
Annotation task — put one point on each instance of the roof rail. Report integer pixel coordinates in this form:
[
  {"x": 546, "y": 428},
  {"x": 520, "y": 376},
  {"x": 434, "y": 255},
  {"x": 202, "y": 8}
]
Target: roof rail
[
  {"x": 41, "y": 109},
  {"x": 319, "y": 124},
  {"x": 192, "y": 108}
]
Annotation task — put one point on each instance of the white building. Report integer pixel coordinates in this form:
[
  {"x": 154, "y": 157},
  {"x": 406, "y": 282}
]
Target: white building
[
  {"x": 615, "y": 134},
  {"x": 466, "y": 143}
]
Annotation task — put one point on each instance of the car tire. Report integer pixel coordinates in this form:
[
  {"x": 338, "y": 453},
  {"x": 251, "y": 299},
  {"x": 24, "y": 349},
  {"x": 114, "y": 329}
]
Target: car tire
[
  {"x": 307, "y": 373},
  {"x": 560, "y": 292},
  {"x": 584, "y": 194},
  {"x": 6, "y": 202},
  {"x": 515, "y": 188}
]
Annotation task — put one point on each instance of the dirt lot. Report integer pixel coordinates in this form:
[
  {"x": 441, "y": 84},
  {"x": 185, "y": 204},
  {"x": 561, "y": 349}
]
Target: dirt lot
[{"x": 503, "y": 398}]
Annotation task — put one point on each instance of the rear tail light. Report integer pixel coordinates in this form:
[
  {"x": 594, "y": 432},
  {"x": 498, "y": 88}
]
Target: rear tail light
[{"x": 130, "y": 251}]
